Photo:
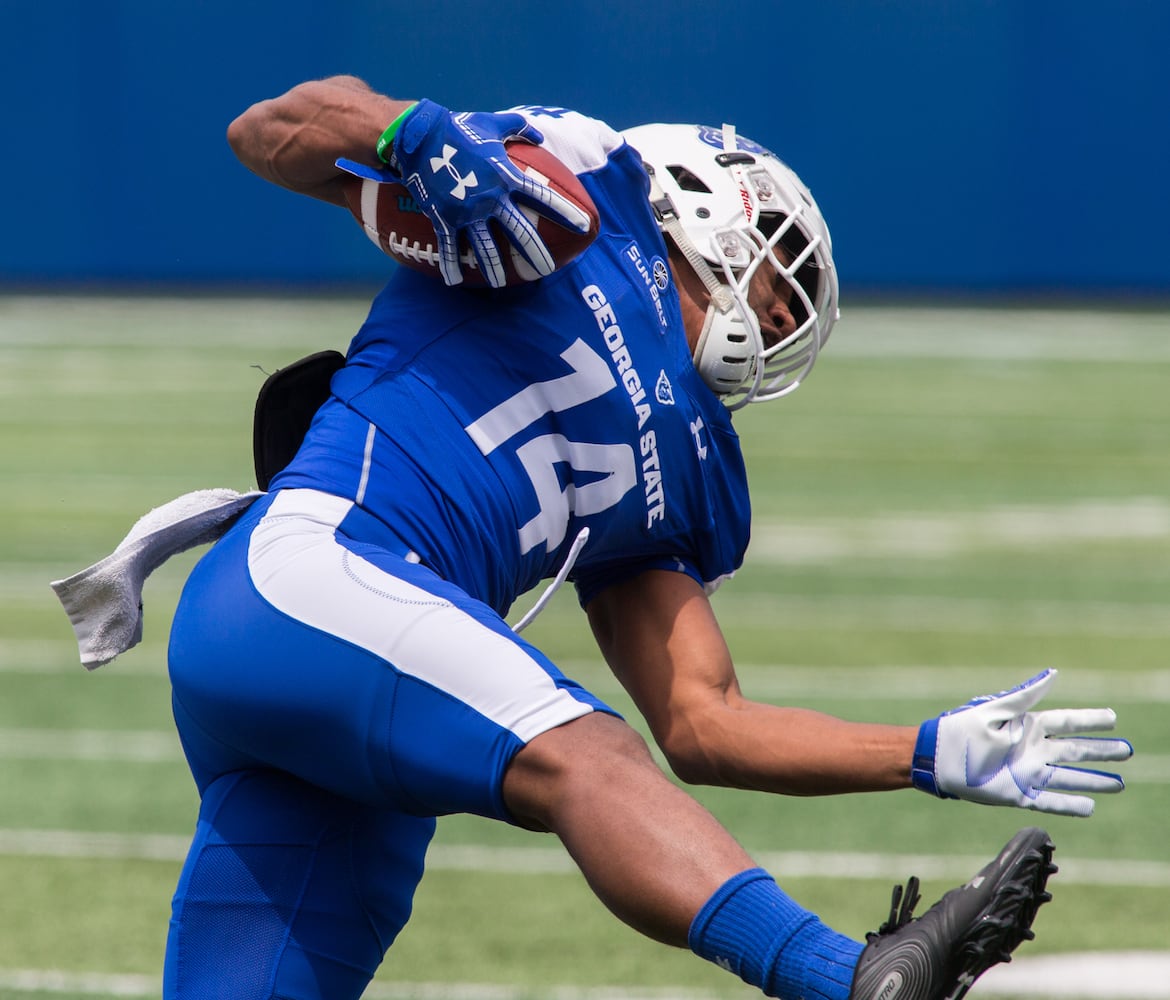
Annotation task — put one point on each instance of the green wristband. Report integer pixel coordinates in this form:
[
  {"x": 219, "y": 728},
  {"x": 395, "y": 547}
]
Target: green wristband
[{"x": 385, "y": 147}]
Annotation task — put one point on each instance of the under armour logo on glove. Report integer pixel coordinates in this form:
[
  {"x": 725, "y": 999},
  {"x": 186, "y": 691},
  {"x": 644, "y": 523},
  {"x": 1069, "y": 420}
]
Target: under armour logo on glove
[
  {"x": 462, "y": 181},
  {"x": 487, "y": 186}
]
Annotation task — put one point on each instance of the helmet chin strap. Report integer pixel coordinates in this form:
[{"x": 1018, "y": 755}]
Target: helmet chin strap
[
  {"x": 722, "y": 300},
  {"x": 722, "y": 375}
]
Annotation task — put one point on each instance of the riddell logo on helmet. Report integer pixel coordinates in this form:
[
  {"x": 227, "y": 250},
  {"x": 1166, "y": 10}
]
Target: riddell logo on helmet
[{"x": 746, "y": 198}]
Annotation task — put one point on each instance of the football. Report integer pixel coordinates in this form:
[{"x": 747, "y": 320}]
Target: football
[{"x": 391, "y": 219}]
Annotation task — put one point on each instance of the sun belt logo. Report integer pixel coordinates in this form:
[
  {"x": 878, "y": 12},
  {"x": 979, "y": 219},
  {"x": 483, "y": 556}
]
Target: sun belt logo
[
  {"x": 652, "y": 281},
  {"x": 462, "y": 181},
  {"x": 660, "y": 272}
]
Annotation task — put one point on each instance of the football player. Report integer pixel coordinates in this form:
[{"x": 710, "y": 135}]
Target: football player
[{"x": 342, "y": 669}]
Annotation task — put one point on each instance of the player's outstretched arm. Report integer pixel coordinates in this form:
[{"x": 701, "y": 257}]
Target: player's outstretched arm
[
  {"x": 660, "y": 636},
  {"x": 295, "y": 140}
]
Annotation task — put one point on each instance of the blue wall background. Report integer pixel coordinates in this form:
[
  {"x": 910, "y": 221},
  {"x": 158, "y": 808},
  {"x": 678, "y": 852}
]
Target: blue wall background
[{"x": 1003, "y": 146}]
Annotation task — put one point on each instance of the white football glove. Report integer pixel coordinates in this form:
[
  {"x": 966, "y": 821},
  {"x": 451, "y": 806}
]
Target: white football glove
[{"x": 996, "y": 751}]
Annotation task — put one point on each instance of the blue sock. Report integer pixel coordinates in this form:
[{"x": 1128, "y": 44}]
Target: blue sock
[{"x": 751, "y": 928}]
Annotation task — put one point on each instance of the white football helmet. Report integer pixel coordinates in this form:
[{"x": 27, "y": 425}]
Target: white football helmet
[{"x": 729, "y": 204}]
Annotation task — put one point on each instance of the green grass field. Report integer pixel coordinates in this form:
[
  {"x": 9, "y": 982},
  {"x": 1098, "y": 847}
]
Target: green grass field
[{"x": 956, "y": 500}]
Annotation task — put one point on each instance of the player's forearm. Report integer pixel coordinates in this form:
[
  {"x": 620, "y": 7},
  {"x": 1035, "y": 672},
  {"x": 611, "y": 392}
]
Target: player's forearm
[
  {"x": 295, "y": 139},
  {"x": 660, "y": 637},
  {"x": 789, "y": 751}
]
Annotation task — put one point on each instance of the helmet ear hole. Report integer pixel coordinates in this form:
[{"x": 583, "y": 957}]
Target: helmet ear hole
[
  {"x": 686, "y": 179},
  {"x": 726, "y": 353}
]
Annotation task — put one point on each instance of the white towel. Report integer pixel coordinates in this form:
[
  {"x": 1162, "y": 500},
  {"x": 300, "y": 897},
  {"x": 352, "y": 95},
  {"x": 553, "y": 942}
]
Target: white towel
[{"x": 104, "y": 601}]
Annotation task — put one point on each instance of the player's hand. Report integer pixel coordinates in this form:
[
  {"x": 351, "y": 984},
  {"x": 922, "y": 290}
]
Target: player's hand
[
  {"x": 995, "y": 750},
  {"x": 458, "y": 171}
]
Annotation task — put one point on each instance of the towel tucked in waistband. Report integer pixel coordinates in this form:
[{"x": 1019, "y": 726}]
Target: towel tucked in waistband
[{"x": 104, "y": 601}]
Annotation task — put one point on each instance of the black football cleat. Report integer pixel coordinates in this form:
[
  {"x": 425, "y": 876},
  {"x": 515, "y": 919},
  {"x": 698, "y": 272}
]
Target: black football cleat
[{"x": 939, "y": 955}]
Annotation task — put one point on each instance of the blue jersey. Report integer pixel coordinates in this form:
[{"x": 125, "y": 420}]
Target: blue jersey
[{"x": 481, "y": 430}]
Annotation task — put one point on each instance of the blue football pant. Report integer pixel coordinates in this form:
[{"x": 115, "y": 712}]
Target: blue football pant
[
  {"x": 289, "y": 892},
  {"x": 332, "y": 698}
]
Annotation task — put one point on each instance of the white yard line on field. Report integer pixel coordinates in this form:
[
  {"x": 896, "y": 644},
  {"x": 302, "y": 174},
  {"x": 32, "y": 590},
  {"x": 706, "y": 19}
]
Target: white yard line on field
[
  {"x": 1089, "y": 976},
  {"x": 85, "y": 983},
  {"x": 288, "y": 325},
  {"x": 162, "y": 747},
  {"x": 886, "y": 682},
  {"x": 926, "y": 614},
  {"x": 138, "y": 746},
  {"x": 554, "y": 860},
  {"x": 1004, "y": 334},
  {"x": 872, "y": 682},
  {"x": 1134, "y": 975},
  {"x": 47, "y": 323},
  {"x": 939, "y": 535},
  {"x": 60, "y": 656},
  {"x": 925, "y": 534}
]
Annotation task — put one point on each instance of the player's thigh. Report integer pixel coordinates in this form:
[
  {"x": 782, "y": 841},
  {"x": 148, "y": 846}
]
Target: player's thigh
[
  {"x": 597, "y": 762},
  {"x": 342, "y": 662},
  {"x": 289, "y": 891}
]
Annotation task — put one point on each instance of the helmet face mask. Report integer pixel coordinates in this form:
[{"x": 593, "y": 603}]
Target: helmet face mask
[{"x": 740, "y": 208}]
